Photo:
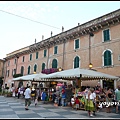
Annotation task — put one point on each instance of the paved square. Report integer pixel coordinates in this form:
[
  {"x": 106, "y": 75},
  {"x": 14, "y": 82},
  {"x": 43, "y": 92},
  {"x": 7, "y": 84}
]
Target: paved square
[{"x": 15, "y": 108}]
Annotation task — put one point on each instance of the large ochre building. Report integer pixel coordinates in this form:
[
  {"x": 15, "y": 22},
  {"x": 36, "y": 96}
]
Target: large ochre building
[{"x": 96, "y": 41}]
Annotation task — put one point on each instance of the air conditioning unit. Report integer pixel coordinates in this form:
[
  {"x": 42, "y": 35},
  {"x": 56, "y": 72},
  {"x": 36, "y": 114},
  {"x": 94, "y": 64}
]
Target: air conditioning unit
[{"x": 119, "y": 57}]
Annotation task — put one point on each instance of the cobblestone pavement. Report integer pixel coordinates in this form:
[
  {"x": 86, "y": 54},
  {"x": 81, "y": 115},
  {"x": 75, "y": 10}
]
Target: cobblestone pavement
[{"x": 14, "y": 108}]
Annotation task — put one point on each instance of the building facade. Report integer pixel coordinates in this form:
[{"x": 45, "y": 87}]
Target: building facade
[
  {"x": 1, "y": 72},
  {"x": 96, "y": 41}
]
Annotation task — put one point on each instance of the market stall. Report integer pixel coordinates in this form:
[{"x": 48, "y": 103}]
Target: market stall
[{"x": 79, "y": 75}]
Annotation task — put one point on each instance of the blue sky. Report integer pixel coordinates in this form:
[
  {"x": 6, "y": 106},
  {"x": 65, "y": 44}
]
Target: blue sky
[{"x": 17, "y": 32}]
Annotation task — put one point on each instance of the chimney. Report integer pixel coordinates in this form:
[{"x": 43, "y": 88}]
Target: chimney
[
  {"x": 51, "y": 33},
  {"x": 42, "y": 37},
  {"x": 62, "y": 28},
  {"x": 35, "y": 40}
]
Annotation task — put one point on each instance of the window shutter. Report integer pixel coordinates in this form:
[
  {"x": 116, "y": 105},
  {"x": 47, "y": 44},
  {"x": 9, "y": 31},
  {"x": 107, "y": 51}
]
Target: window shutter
[
  {"x": 77, "y": 44},
  {"x": 106, "y": 35},
  {"x": 107, "y": 58}
]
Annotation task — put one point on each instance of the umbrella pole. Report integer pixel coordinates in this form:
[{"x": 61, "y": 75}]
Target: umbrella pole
[{"x": 79, "y": 84}]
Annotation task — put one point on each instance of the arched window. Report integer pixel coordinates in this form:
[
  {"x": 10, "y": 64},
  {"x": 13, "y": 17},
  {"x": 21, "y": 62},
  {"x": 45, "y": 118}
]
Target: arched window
[
  {"x": 76, "y": 62},
  {"x": 22, "y": 70},
  {"x": 29, "y": 70},
  {"x": 107, "y": 58},
  {"x": 54, "y": 63},
  {"x": 43, "y": 66},
  {"x": 35, "y": 68}
]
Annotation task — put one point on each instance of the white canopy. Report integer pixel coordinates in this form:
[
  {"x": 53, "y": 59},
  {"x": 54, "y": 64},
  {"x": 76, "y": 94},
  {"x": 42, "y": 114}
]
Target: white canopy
[
  {"x": 29, "y": 77},
  {"x": 68, "y": 74},
  {"x": 81, "y": 73}
]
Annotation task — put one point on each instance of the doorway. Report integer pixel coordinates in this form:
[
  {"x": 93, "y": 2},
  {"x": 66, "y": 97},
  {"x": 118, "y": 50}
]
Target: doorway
[{"x": 108, "y": 83}]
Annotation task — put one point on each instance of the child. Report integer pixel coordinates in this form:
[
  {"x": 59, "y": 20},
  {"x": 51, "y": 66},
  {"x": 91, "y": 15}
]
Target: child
[
  {"x": 77, "y": 102},
  {"x": 36, "y": 102},
  {"x": 72, "y": 102}
]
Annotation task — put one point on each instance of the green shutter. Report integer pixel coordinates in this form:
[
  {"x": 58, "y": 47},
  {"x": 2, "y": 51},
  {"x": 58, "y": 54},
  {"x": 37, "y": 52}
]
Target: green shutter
[
  {"x": 55, "y": 50},
  {"x": 22, "y": 70},
  {"x": 107, "y": 58},
  {"x": 29, "y": 70},
  {"x": 35, "y": 68},
  {"x": 43, "y": 66},
  {"x": 77, "y": 44},
  {"x": 45, "y": 53},
  {"x": 76, "y": 62},
  {"x": 30, "y": 56},
  {"x": 106, "y": 35},
  {"x": 54, "y": 63},
  {"x": 36, "y": 55}
]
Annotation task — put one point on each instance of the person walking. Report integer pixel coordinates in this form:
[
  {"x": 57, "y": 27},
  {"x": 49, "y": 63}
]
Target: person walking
[
  {"x": 36, "y": 101},
  {"x": 27, "y": 97},
  {"x": 108, "y": 99},
  {"x": 117, "y": 98},
  {"x": 18, "y": 92},
  {"x": 94, "y": 100}
]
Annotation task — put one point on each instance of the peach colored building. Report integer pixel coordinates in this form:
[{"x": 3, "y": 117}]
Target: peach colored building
[
  {"x": 96, "y": 41},
  {"x": 1, "y": 71}
]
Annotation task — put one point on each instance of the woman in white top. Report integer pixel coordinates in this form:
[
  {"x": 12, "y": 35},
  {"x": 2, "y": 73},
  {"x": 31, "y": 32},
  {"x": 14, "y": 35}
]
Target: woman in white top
[
  {"x": 72, "y": 102},
  {"x": 89, "y": 106}
]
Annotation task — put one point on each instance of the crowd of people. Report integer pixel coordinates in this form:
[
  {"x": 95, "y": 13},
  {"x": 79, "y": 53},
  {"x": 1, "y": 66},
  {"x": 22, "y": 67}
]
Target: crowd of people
[
  {"x": 96, "y": 98},
  {"x": 93, "y": 98}
]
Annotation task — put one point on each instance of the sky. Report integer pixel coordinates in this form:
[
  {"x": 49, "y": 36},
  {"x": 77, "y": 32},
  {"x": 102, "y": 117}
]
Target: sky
[{"x": 21, "y": 22}]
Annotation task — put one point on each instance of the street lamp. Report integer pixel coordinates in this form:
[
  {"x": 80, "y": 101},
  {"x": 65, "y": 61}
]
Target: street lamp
[
  {"x": 90, "y": 65},
  {"x": 90, "y": 35},
  {"x": 60, "y": 69},
  {"x": 34, "y": 72}
]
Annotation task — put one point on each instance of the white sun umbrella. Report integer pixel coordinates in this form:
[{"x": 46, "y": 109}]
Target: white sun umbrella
[
  {"x": 26, "y": 77},
  {"x": 40, "y": 76},
  {"x": 72, "y": 73}
]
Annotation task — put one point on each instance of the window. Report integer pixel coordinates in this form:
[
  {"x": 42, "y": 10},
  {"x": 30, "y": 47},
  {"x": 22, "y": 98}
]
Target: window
[
  {"x": 106, "y": 35},
  {"x": 15, "y": 60},
  {"x": 23, "y": 59},
  {"x": 36, "y": 55},
  {"x": 8, "y": 63},
  {"x": 22, "y": 70},
  {"x": 35, "y": 68},
  {"x": 8, "y": 72},
  {"x": 29, "y": 70},
  {"x": 76, "y": 43},
  {"x": 54, "y": 63},
  {"x": 43, "y": 66},
  {"x": 30, "y": 57},
  {"x": 45, "y": 51},
  {"x": 76, "y": 62},
  {"x": 55, "y": 49},
  {"x": 14, "y": 71},
  {"x": 107, "y": 58}
]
